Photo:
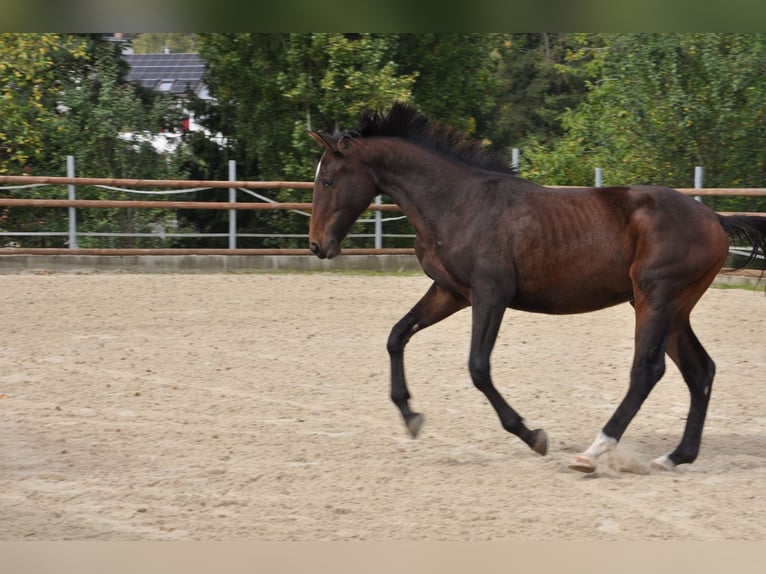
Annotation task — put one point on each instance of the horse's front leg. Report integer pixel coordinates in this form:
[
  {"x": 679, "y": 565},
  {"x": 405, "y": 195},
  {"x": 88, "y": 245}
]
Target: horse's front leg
[
  {"x": 487, "y": 317},
  {"x": 435, "y": 305}
]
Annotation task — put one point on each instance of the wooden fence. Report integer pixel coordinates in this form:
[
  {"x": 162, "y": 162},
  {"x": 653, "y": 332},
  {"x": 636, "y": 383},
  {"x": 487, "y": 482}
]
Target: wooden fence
[{"x": 232, "y": 206}]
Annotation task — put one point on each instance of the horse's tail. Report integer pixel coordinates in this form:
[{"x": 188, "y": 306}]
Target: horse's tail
[{"x": 750, "y": 229}]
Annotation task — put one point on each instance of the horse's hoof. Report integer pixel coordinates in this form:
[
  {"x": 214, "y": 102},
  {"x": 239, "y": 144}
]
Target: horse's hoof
[
  {"x": 583, "y": 463},
  {"x": 414, "y": 422},
  {"x": 539, "y": 442},
  {"x": 662, "y": 463}
]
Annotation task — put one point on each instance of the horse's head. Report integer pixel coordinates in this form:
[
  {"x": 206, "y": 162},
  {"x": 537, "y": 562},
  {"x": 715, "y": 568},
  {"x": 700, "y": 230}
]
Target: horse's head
[{"x": 343, "y": 188}]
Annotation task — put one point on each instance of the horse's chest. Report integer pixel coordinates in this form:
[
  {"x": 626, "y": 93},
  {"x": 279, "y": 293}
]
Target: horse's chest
[{"x": 438, "y": 267}]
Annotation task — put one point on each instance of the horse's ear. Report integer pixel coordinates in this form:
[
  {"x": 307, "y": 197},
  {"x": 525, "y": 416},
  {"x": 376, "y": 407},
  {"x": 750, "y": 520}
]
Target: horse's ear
[
  {"x": 344, "y": 143},
  {"x": 325, "y": 140},
  {"x": 333, "y": 144}
]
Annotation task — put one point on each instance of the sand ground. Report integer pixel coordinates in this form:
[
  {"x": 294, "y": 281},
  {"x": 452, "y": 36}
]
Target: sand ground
[{"x": 255, "y": 407}]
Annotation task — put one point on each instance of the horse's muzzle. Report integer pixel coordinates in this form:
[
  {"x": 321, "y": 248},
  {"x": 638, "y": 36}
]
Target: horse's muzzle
[
  {"x": 330, "y": 250},
  {"x": 316, "y": 250}
]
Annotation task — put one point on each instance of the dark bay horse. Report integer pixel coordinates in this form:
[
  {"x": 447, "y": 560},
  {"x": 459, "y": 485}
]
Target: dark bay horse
[{"x": 491, "y": 240}]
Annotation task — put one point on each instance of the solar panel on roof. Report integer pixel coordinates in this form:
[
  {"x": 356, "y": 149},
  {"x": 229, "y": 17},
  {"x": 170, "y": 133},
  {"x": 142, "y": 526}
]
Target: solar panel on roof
[{"x": 159, "y": 70}]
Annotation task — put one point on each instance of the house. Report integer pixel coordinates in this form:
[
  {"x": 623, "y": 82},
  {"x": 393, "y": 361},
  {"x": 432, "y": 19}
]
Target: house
[{"x": 178, "y": 75}]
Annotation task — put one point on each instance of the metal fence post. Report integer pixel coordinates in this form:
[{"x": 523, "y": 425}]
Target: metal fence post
[
  {"x": 71, "y": 195},
  {"x": 599, "y": 177},
  {"x": 378, "y": 224},
  {"x": 515, "y": 158},
  {"x": 699, "y": 173},
  {"x": 232, "y": 212}
]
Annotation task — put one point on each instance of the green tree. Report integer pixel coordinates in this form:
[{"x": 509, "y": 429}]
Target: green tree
[
  {"x": 31, "y": 69},
  {"x": 542, "y": 75},
  {"x": 31, "y": 74},
  {"x": 270, "y": 87},
  {"x": 456, "y": 77},
  {"x": 108, "y": 124},
  {"x": 663, "y": 104},
  {"x": 67, "y": 95}
]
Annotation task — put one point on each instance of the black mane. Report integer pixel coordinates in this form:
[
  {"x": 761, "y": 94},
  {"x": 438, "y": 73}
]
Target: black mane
[{"x": 404, "y": 121}]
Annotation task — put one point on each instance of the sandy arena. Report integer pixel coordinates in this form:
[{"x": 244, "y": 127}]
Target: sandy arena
[{"x": 255, "y": 407}]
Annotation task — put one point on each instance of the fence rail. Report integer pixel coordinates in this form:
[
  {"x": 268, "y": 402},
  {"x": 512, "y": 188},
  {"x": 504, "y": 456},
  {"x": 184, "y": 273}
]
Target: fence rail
[
  {"x": 176, "y": 186},
  {"x": 129, "y": 203},
  {"x": 172, "y": 183},
  {"x": 232, "y": 206}
]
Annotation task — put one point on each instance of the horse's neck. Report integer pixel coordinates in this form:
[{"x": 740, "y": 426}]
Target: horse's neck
[
  {"x": 418, "y": 181},
  {"x": 426, "y": 189}
]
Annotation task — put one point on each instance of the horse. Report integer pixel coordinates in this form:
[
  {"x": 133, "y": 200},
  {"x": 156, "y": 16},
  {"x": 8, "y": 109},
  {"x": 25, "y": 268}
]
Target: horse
[{"x": 491, "y": 240}]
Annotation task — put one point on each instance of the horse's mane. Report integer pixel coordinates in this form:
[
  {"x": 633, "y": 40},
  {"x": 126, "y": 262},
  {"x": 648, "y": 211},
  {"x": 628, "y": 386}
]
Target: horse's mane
[{"x": 404, "y": 121}]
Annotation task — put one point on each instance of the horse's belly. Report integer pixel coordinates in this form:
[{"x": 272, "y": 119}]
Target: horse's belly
[{"x": 578, "y": 295}]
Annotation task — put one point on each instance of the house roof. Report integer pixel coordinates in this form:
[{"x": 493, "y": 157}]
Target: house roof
[{"x": 170, "y": 73}]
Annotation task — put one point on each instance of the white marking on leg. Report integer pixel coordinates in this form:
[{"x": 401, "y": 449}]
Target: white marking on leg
[
  {"x": 663, "y": 463},
  {"x": 601, "y": 445},
  {"x": 586, "y": 462}
]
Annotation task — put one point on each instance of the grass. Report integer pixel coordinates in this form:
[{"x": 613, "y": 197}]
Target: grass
[{"x": 745, "y": 286}]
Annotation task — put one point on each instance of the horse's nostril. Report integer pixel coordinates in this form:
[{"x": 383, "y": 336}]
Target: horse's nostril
[{"x": 314, "y": 246}]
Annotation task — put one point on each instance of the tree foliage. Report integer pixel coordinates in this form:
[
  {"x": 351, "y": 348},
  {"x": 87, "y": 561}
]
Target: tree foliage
[
  {"x": 662, "y": 104},
  {"x": 271, "y": 88},
  {"x": 67, "y": 95},
  {"x": 32, "y": 74},
  {"x": 541, "y": 76},
  {"x": 456, "y": 77}
]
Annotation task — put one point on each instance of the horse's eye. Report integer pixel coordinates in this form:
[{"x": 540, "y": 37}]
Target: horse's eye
[{"x": 326, "y": 182}]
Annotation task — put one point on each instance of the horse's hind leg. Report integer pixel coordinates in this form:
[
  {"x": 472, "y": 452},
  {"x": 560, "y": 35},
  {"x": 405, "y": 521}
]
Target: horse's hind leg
[
  {"x": 652, "y": 328},
  {"x": 698, "y": 371},
  {"x": 696, "y": 366},
  {"x": 663, "y": 326},
  {"x": 435, "y": 305}
]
